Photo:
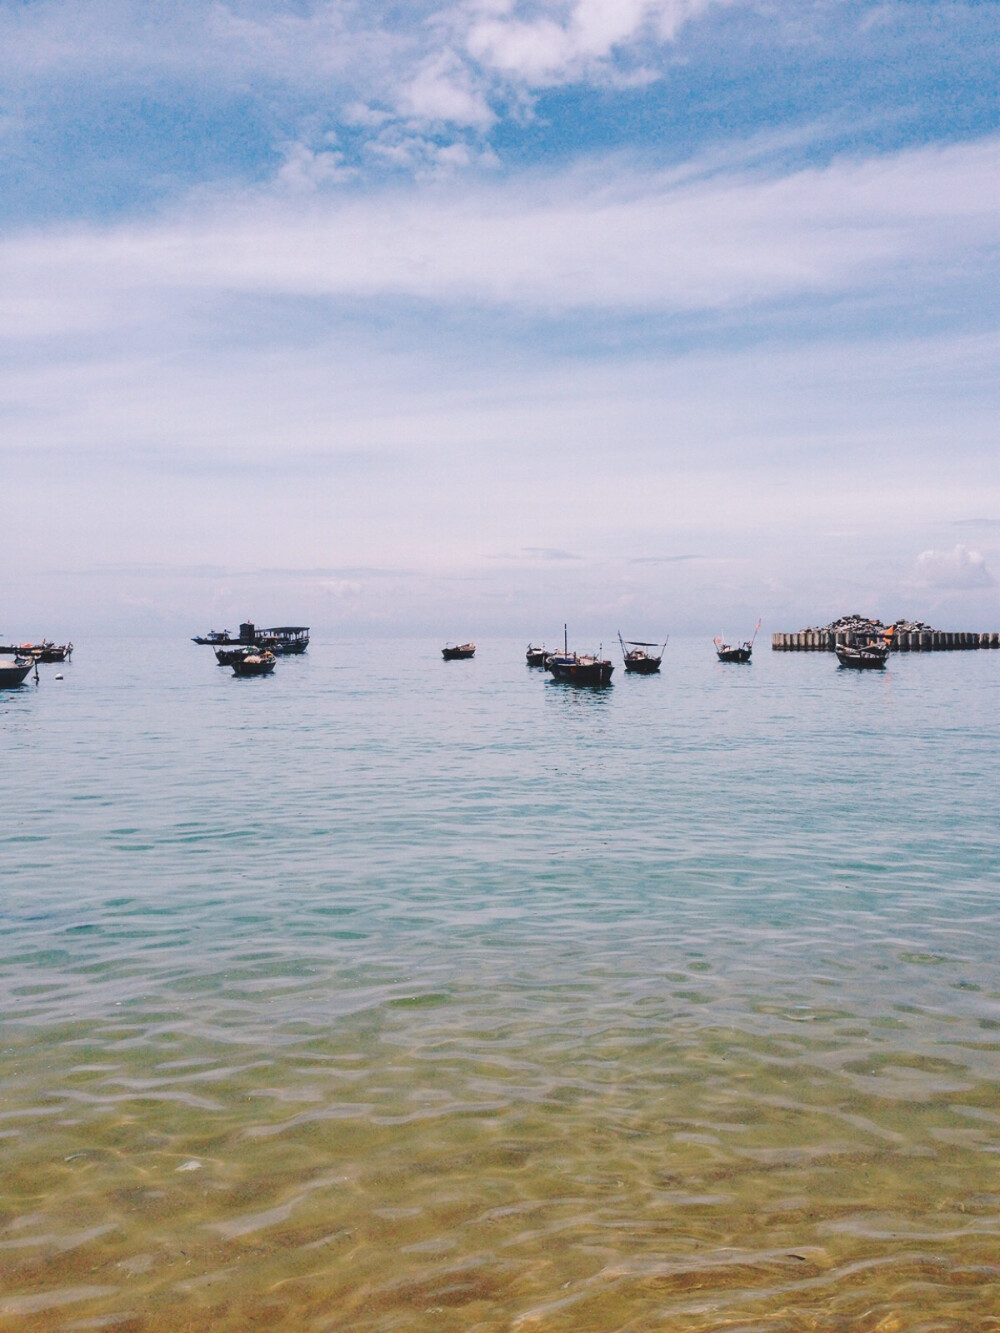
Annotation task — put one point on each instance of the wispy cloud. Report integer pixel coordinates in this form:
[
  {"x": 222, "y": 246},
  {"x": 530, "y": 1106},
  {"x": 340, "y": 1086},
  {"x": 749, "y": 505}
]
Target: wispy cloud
[{"x": 604, "y": 236}]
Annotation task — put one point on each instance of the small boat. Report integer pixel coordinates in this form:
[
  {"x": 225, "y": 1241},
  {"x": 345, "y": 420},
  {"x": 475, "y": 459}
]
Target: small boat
[
  {"x": 637, "y": 660},
  {"x": 728, "y": 652},
  {"x": 870, "y": 656},
  {"x": 456, "y": 652},
  {"x": 535, "y": 657},
  {"x": 13, "y": 673},
  {"x": 255, "y": 664},
  {"x": 215, "y": 636},
  {"x": 46, "y": 651},
  {"x": 227, "y": 656},
  {"x": 579, "y": 668}
]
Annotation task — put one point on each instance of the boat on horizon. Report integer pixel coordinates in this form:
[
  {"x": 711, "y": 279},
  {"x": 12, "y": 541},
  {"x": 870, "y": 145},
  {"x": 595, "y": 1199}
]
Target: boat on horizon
[
  {"x": 279, "y": 639},
  {"x": 46, "y": 651},
  {"x": 579, "y": 668},
  {"x": 742, "y": 652},
  {"x": 255, "y": 664},
  {"x": 455, "y": 652},
  {"x": 227, "y": 656},
  {"x": 637, "y": 660},
  {"x": 869, "y": 656}
]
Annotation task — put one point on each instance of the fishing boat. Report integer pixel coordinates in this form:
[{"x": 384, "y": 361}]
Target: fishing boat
[
  {"x": 869, "y": 656},
  {"x": 535, "y": 657},
  {"x": 46, "y": 651},
  {"x": 457, "y": 651},
  {"x": 741, "y": 652},
  {"x": 637, "y": 660},
  {"x": 13, "y": 673},
  {"x": 227, "y": 656},
  {"x": 285, "y": 640},
  {"x": 215, "y": 636},
  {"x": 255, "y": 664},
  {"x": 579, "y": 668}
]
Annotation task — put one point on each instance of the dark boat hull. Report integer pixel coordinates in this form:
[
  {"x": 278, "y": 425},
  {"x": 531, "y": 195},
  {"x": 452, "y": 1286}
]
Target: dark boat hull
[
  {"x": 734, "y": 654},
  {"x": 580, "y": 673},
  {"x": 13, "y": 675},
  {"x": 535, "y": 657},
  {"x": 253, "y": 666},
  {"x": 642, "y": 666},
  {"x": 860, "y": 659},
  {"x": 460, "y": 654},
  {"x": 41, "y": 652}
]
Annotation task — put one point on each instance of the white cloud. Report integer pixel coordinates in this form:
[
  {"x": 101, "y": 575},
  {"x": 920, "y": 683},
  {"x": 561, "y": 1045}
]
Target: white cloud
[
  {"x": 423, "y": 65},
  {"x": 564, "y": 41},
  {"x": 442, "y": 90},
  {"x": 956, "y": 569},
  {"x": 306, "y": 169}
]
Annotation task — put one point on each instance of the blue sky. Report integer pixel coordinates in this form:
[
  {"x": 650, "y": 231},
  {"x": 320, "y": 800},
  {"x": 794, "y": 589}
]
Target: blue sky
[{"x": 474, "y": 317}]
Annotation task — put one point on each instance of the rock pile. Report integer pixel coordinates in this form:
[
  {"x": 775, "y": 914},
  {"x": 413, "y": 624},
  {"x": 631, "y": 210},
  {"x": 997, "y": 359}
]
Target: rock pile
[{"x": 856, "y": 624}]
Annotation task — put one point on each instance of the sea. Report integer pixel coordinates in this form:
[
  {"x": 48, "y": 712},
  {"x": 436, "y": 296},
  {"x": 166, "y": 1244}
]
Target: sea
[{"x": 394, "y": 995}]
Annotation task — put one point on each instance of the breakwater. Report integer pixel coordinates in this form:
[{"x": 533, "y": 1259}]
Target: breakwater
[{"x": 905, "y": 641}]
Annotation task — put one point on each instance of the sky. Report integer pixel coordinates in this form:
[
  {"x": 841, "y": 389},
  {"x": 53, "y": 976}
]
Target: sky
[{"x": 479, "y": 316}]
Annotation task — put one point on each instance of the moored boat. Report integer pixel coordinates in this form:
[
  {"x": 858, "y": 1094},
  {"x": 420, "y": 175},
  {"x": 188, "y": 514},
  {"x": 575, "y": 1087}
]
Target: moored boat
[
  {"x": 870, "y": 656},
  {"x": 740, "y": 652},
  {"x": 285, "y": 640},
  {"x": 227, "y": 656},
  {"x": 215, "y": 636},
  {"x": 46, "y": 651},
  {"x": 455, "y": 652},
  {"x": 255, "y": 664},
  {"x": 637, "y": 660},
  {"x": 535, "y": 657},
  {"x": 579, "y": 668},
  {"x": 13, "y": 673},
  {"x": 864, "y": 657}
]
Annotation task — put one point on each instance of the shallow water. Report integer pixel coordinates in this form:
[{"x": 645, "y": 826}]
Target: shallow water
[{"x": 409, "y": 995}]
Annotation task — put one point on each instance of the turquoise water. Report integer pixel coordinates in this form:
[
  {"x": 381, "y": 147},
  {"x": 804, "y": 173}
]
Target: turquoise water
[{"x": 388, "y": 993}]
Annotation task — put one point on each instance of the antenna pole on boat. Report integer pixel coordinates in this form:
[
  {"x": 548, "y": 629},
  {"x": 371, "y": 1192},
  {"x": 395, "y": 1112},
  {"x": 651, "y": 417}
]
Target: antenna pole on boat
[{"x": 565, "y": 642}]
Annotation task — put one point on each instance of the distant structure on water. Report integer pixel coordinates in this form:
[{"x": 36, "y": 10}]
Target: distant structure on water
[{"x": 909, "y": 636}]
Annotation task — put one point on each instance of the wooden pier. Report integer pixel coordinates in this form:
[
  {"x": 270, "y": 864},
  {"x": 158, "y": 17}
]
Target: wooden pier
[{"x": 905, "y": 641}]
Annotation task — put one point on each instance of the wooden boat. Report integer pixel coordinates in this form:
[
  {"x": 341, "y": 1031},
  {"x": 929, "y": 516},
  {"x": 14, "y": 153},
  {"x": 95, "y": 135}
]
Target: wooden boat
[
  {"x": 579, "y": 668},
  {"x": 215, "y": 636},
  {"x": 742, "y": 652},
  {"x": 285, "y": 640},
  {"x": 46, "y": 651},
  {"x": 870, "y": 656},
  {"x": 13, "y": 673},
  {"x": 456, "y": 652},
  {"x": 863, "y": 657},
  {"x": 637, "y": 660},
  {"x": 255, "y": 664},
  {"x": 227, "y": 656},
  {"x": 280, "y": 640},
  {"x": 535, "y": 657}
]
